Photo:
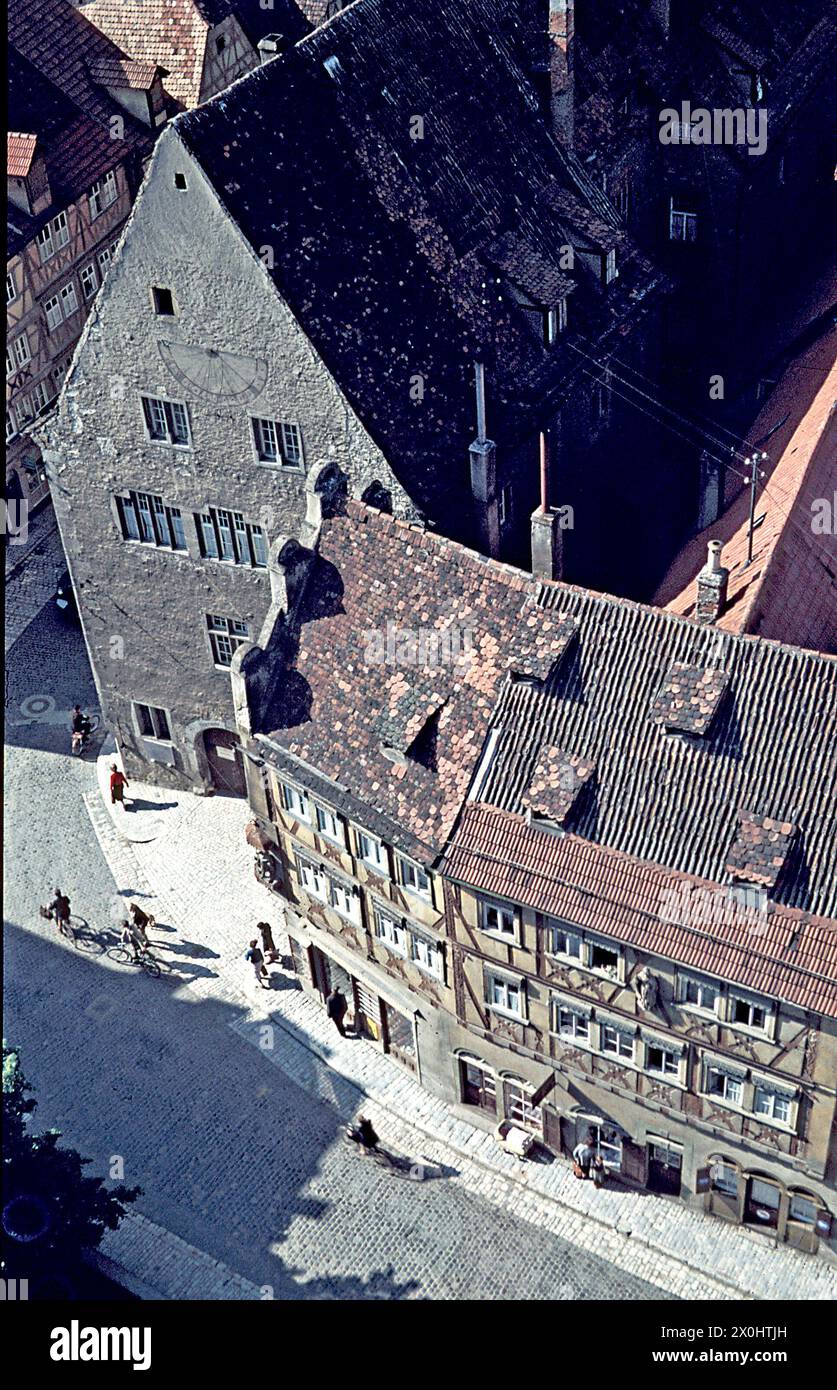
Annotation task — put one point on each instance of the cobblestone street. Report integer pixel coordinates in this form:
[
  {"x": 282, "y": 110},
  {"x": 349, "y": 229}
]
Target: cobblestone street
[{"x": 227, "y": 1106}]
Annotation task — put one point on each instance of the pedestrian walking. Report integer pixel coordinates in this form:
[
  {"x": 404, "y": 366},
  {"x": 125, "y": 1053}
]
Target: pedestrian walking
[
  {"x": 256, "y": 959},
  {"x": 266, "y": 934},
  {"x": 336, "y": 1008},
  {"x": 584, "y": 1154},
  {"x": 118, "y": 783}
]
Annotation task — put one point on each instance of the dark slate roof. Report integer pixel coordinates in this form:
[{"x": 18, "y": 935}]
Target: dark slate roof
[
  {"x": 357, "y": 683},
  {"x": 676, "y": 799},
  {"x": 781, "y": 952},
  {"x": 382, "y": 241}
]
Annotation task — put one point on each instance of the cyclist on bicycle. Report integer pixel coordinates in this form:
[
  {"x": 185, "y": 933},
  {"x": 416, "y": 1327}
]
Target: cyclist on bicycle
[
  {"x": 140, "y": 922},
  {"x": 132, "y": 939},
  {"x": 59, "y": 908},
  {"x": 80, "y": 729}
]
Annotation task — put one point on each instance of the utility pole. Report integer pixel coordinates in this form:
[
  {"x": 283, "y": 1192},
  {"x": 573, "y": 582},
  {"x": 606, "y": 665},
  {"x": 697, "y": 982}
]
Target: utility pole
[{"x": 753, "y": 461}]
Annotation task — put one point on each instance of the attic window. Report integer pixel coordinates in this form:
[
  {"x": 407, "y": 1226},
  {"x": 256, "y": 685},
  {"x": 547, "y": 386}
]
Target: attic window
[
  {"x": 163, "y": 301},
  {"x": 554, "y": 322},
  {"x": 220, "y": 43},
  {"x": 609, "y": 267},
  {"x": 180, "y": 182},
  {"x": 333, "y": 67},
  {"x": 557, "y": 782},
  {"x": 689, "y": 698},
  {"x": 760, "y": 848}
]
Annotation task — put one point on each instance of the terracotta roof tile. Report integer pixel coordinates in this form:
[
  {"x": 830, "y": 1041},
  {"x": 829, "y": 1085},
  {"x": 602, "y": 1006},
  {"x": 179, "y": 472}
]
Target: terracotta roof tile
[
  {"x": 20, "y": 151},
  {"x": 760, "y": 849},
  {"x": 689, "y": 698}
]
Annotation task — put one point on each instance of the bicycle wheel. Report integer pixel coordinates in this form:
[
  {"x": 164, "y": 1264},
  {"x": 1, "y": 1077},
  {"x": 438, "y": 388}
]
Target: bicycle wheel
[
  {"x": 151, "y": 967},
  {"x": 121, "y": 955},
  {"x": 66, "y": 928}
]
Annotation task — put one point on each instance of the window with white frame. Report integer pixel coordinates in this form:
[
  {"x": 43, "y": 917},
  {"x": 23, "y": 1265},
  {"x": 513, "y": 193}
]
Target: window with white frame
[
  {"x": 682, "y": 225},
  {"x": 604, "y": 960},
  {"x": 391, "y": 931},
  {"x": 519, "y": 1109},
  {"x": 53, "y": 312},
  {"x": 89, "y": 280},
  {"x": 314, "y": 880},
  {"x": 560, "y": 941},
  {"x": 570, "y": 1023},
  {"x": 277, "y": 441},
  {"x": 105, "y": 257},
  {"x": 11, "y": 425},
  {"x": 602, "y": 395},
  {"x": 166, "y": 422},
  {"x": 52, "y": 237},
  {"x": 329, "y": 825},
  {"x": 146, "y": 518},
  {"x": 345, "y": 900},
  {"x": 505, "y": 502},
  {"x": 661, "y": 1060},
  {"x": 102, "y": 194},
  {"x": 11, "y": 287},
  {"x": 296, "y": 801},
  {"x": 617, "y": 1042},
  {"x": 610, "y": 270},
  {"x": 69, "y": 300},
  {"x": 427, "y": 954},
  {"x": 724, "y": 1085},
  {"x": 372, "y": 851},
  {"x": 41, "y": 395},
  {"x": 772, "y": 1105},
  {"x": 622, "y": 199},
  {"x": 225, "y": 636},
  {"x": 554, "y": 322},
  {"x": 746, "y": 1013},
  {"x": 412, "y": 877},
  {"x": 152, "y": 722},
  {"x": 18, "y": 354},
  {"x": 699, "y": 994},
  {"x": 506, "y": 995},
  {"x": 225, "y": 535},
  {"x": 497, "y": 919}
]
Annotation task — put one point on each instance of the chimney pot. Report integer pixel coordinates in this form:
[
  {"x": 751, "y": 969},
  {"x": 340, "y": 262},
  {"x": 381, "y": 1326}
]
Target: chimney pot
[{"x": 712, "y": 586}]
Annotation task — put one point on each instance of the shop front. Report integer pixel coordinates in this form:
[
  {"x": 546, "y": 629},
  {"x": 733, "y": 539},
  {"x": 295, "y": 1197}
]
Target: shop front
[{"x": 792, "y": 1214}]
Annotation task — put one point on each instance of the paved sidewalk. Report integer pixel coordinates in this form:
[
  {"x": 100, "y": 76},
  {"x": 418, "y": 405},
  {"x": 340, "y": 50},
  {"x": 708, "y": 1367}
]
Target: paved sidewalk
[
  {"x": 198, "y": 878},
  {"x": 32, "y": 573}
]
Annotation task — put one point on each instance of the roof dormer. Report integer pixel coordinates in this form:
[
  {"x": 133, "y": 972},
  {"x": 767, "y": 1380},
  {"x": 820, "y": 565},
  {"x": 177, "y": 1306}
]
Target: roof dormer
[{"x": 26, "y": 174}]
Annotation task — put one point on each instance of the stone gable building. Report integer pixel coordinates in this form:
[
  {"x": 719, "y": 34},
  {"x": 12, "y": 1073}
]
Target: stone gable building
[{"x": 306, "y": 286}]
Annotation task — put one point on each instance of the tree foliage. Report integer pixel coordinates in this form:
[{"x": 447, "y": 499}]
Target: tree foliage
[{"x": 52, "y": 1211}]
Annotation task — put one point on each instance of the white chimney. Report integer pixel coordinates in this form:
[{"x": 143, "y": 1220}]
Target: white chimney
[{"x": 711, "y": 586}]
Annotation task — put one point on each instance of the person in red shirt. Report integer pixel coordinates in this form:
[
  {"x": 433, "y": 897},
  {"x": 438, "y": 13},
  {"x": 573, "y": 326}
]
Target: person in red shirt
[{"x": 118, "y": 783}]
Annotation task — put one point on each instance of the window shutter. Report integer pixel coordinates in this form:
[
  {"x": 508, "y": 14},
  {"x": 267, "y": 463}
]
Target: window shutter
[{"x": 633, "y": 1161}]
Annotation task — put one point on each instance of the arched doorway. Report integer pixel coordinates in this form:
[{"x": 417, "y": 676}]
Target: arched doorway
[{"x": 225, "y": 762}]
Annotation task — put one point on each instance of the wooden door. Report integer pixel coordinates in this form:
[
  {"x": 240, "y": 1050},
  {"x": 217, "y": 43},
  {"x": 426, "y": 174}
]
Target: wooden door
[{"x": 226, "y": 764}]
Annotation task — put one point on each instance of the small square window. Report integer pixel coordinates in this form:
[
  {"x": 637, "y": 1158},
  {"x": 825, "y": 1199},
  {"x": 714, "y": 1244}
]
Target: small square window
[
  {"x": 497, "y": 920},
  {"x": 180, "y": 182},
  {"x": 163, "y": 301},
  {"x": 152, "y": 722}
]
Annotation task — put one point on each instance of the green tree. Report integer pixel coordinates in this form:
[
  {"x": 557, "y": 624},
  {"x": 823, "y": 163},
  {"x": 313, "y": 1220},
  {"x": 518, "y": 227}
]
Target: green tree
[{"x": 51, "y": 1212}]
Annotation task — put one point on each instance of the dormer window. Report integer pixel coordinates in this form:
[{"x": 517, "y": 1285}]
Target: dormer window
[
  {"x": 554, "y": 322},
  {"x": 609, "y": 267},
  {"x": 333, "y": 67}
]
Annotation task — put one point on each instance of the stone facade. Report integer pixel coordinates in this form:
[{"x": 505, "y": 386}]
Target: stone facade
[{"x": 156, "y": 651}]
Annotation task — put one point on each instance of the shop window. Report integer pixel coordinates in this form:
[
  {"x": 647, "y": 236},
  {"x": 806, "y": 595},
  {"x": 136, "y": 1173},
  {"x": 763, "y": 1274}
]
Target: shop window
[
  {"x": 802, "y": 1209},
  {"x": 723, "y": 1177}
]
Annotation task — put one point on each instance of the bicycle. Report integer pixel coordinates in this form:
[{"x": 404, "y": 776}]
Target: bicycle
[
  {"x": 123, "y": 955},
  {"x": 80, "y": 740}
]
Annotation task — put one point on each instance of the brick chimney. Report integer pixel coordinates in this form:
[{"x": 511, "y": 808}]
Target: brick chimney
[
  {"x": 712, "y": 586},
  {"x": 561, "y": 63},
  {"x": 483, "y": 459},
  {"x": 547, "y": 556}
]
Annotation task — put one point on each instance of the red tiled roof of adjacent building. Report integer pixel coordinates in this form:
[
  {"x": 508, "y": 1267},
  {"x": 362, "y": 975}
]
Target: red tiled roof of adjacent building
[
  {"x": 123, "y": 72},
  {"x": 789, "y": 591},
  {"x": 404, "y": 639},
  {"x": 20, "y": 151},
  {"x": 783, "y": 952}
]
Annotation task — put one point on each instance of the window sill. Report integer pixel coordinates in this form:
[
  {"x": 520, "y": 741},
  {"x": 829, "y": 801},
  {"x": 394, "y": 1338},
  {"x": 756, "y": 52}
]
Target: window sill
[
  {"x": 506, "y": 1013},
  {"x": 280, "y": 466},
  {"x": 511, "y": 938}
]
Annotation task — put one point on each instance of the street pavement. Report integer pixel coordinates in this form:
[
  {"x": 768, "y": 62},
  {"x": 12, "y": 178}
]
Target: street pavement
[{"x": 227, "y": 1104}]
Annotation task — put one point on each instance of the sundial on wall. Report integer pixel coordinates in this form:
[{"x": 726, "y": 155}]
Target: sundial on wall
[{"x": 224, "y": 375}]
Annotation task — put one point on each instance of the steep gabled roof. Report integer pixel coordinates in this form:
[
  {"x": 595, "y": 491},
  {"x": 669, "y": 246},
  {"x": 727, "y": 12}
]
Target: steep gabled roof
[
  {"x": 676, "y": 798},
  {"x": 381, "y": 159},
  {"x": 789, "y": 591}
]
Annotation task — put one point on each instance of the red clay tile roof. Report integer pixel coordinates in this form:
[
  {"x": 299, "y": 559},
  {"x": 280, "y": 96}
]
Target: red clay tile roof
[
  {"x": 170, "y": 34},
  {"x": 759, "y": 850},
  {"x": 789, "y": 592},
  {"x": 123, "y": 72},
  {"x": 557, "y": 780},
  {"x": 689, "y": 697},
  {"x": 783, "y": 953},
  {"x": 387, "y": 607},
  {"x": 20, "y": 151}
]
